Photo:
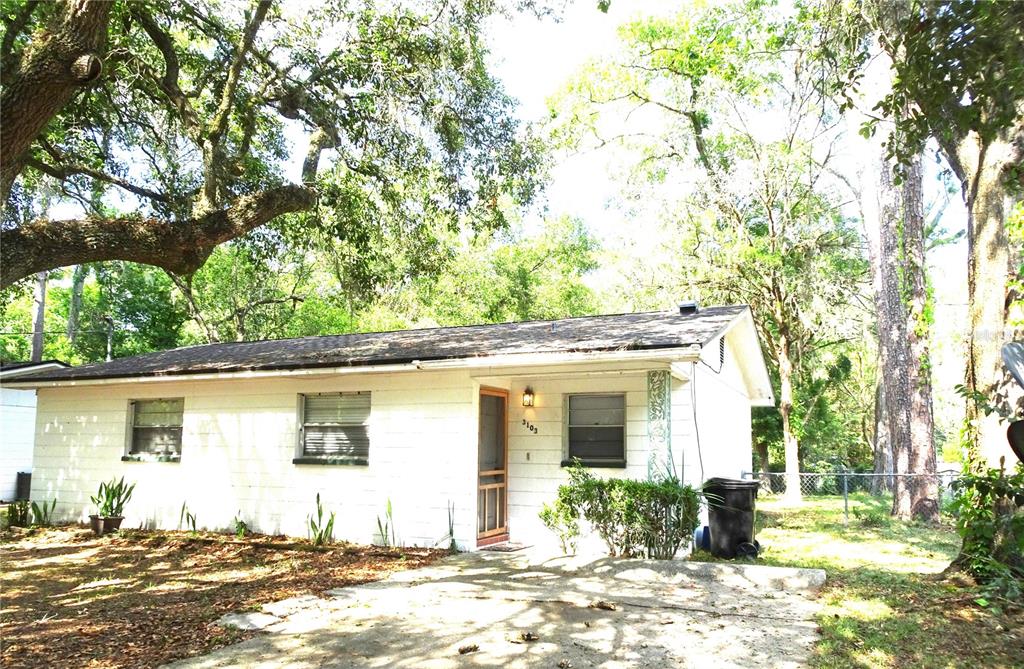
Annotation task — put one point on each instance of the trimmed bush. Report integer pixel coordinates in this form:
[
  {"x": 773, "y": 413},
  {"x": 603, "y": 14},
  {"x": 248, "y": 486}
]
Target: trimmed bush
[{"x": 634, "y": 518}]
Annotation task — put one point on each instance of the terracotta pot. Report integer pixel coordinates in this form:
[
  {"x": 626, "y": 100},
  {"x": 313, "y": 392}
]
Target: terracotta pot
[
  {"x": 111, "y": 523},
  {"x": 97, "y": 525}
]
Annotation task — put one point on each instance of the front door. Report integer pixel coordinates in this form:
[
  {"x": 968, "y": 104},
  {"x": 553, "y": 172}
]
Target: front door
[{"x": 492, "y": 500}]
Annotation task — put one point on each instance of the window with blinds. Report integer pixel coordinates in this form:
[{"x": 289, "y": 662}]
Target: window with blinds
[
  {"x": 335, "y": 426},
  {"x": 597, "y": 428},
  {"x": 156, "y": 426}
]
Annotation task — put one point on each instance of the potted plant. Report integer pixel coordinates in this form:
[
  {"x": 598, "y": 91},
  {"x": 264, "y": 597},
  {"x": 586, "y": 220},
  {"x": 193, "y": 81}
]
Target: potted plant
[{"x": 110, "y": 501}]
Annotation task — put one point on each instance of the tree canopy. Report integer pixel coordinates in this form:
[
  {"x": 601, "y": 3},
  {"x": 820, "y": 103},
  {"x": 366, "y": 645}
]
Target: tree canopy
[{"x": 201, "y": 121}]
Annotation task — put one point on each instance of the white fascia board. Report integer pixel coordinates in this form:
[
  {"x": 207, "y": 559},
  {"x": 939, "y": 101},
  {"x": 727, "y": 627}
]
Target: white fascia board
[
  {"x": 497, "y": 361},
  {"x": 33, "y": 369},
  {"x": 666, "y": 355}
]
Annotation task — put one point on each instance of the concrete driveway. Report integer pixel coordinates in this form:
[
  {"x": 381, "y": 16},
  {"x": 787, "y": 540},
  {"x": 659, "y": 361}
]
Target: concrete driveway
[{"x": 513, "y": 610}]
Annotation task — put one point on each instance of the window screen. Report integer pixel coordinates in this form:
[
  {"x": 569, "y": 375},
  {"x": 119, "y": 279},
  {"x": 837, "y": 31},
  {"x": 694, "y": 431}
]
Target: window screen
[
  {"x": 335, "y": 425},
  {"x": 597, "y": 427},
  {"x": 156, "y": 426}
]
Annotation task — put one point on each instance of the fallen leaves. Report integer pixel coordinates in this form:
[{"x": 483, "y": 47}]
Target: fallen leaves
[{"x": 143, "y": 599}]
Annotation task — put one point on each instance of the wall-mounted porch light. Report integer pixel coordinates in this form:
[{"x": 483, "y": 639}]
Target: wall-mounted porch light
[{"x": 528, "y": 397}]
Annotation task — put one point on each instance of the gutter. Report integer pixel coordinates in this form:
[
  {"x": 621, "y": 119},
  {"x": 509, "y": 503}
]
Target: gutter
[{"x": 688, "y": 352}]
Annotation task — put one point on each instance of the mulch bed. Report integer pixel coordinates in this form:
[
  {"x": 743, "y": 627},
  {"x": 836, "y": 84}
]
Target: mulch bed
[{"x": 145, "y": 598}]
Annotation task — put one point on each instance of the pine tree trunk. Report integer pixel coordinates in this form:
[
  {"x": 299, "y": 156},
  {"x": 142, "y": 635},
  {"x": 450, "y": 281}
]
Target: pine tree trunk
[
  {"x": 892, "y": 330},
  {"x": 882, "y": 447},
  {"x": 923, "y": 486},
  {"x": 39, "y": 317},
  {"x": 75, "y": 300}
]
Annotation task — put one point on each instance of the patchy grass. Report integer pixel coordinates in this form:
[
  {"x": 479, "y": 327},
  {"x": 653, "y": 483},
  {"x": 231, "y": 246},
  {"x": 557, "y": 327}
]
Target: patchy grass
[
  {"x": 886, "y": 600},
  {"x": 145, "y": 598}
]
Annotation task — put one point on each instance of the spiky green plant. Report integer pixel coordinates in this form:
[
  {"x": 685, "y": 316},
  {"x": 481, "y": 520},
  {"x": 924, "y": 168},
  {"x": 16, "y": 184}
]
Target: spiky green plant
[{"x": 320, "y": 532}]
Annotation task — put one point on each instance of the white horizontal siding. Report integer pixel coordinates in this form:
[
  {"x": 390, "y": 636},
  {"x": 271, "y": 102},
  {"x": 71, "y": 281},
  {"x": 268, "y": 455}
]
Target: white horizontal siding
[
  {"x": 17, "y": 422},
  {"x": 238, "y": 441}
]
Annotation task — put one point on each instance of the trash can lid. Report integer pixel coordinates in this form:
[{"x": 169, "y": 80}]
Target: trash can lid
[{"x": 733, "y": 484}]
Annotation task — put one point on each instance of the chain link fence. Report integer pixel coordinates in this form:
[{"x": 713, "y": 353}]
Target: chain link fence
[{"x": 845, "y": 483}]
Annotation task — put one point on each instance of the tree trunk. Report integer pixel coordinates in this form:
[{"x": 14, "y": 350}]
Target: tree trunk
[
  {"x": 789, "y": 439},
  {"x": 923, "y": 486},
  {"x": 892, "y": 328},
  {"x": 58, "y": 62},
  {"x": 988, "y": 266},
  {"x": 75, "y": 300},
  {"x": 39, "y": 318},
  {"x": 882, "y": 445},
  {"x": 762, "y": 456}
]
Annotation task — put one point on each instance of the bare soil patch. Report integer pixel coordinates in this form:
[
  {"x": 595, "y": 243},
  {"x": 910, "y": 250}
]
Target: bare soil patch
[{"x": 144, "y": 598}]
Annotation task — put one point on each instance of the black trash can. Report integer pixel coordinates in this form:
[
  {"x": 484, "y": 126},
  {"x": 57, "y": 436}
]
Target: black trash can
[
  {"x": 22, "y": 485},
  {"x": 731, "y": 516}
]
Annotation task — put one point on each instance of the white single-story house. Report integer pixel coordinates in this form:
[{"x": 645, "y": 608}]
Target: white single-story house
[
  {"x": 17, "y": 423},
  {"x": 476, "y": 421}
]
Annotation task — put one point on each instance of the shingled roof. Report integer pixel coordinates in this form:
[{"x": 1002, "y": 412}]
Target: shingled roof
[{"x": 642, "y": 331}]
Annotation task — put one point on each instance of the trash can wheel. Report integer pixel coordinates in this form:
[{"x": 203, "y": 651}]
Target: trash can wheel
[{"x": 747, "y": 550}]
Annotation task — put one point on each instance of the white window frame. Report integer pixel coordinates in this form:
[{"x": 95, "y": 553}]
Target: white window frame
[
  {"x": 129, "y": 456},
  {"x": 567, "y": 458},
  {"x": 301, "y": 458}
]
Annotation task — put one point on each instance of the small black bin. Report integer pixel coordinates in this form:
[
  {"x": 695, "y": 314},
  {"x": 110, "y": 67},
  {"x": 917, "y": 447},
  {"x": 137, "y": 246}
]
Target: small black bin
[
  {"x": 731, "y": 516},
  {"x": 22, "y": 485}
]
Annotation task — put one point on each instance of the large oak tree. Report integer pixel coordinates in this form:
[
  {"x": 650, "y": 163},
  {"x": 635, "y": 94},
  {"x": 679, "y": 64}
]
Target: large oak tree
[{"x": 206, "y": 120}]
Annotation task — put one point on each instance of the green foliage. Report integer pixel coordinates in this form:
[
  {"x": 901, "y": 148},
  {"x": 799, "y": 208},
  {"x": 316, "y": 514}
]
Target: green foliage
[
  {"x": 414, "y": 128},
  {"x": 990, "y": 519},
  {"x": 112, "y": 497},
  {"x": 18, "y": 513},
  {"x": 320, "y": 532},
  {"x": 515, "y": 279},
  {"x": 448, "y": 538},
  {"x": 42, "y": 514},
  {"x": 756, "y": 222},
  {"x": 634, "y": 518},
  {"x": 561, "y": 519},
  {"x": 242, "y": 529},
  {"x": 871, "y": 517},
  {"x": 146, "y": 314},
  {"x": 383, "y": 526},
  {"x": 976, "y": 45},
  {"x": 186, "y": 517}
]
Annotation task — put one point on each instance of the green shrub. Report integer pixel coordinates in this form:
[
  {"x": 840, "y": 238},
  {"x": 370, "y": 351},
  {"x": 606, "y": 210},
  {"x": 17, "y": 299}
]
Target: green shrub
[
  {"x": 42, "y": 515},
  {"x": 18, "y": 513},
  {"x": 990, "y": 519},
  {"x": 634, "y": 518},
  {"x": 563, "y": 521}
]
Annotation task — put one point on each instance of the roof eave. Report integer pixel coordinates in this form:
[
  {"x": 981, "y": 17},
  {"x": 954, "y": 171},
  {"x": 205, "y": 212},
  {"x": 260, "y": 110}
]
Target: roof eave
[{"x": 661, "y": 353}]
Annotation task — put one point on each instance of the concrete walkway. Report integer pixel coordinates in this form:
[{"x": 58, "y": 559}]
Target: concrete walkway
[{"x": 515, "y": 610}]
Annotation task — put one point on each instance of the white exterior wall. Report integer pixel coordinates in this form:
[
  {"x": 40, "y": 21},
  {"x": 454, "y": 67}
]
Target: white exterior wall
[
  {"x": 239, "y": 438},
  {"x": 723, "y": 415},
  {"x": 238, "y": 441},
  {"x": 17, "y": 432}
]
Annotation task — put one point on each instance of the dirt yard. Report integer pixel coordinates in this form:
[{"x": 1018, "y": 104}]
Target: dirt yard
[{"x": 146, "y": 598}]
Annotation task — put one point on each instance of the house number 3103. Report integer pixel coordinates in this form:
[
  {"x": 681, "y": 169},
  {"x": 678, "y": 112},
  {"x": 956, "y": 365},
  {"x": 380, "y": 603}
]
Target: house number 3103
[{"x": 529, "y": 426}]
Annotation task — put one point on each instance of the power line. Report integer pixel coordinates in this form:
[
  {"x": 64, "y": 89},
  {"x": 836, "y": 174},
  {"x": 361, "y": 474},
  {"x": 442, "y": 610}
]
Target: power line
[{"x": 64, "y": 332}]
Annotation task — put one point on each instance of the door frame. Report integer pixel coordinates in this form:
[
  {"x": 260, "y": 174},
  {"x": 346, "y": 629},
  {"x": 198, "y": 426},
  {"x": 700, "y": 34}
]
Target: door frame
[{"x": 499, "y": 534}]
